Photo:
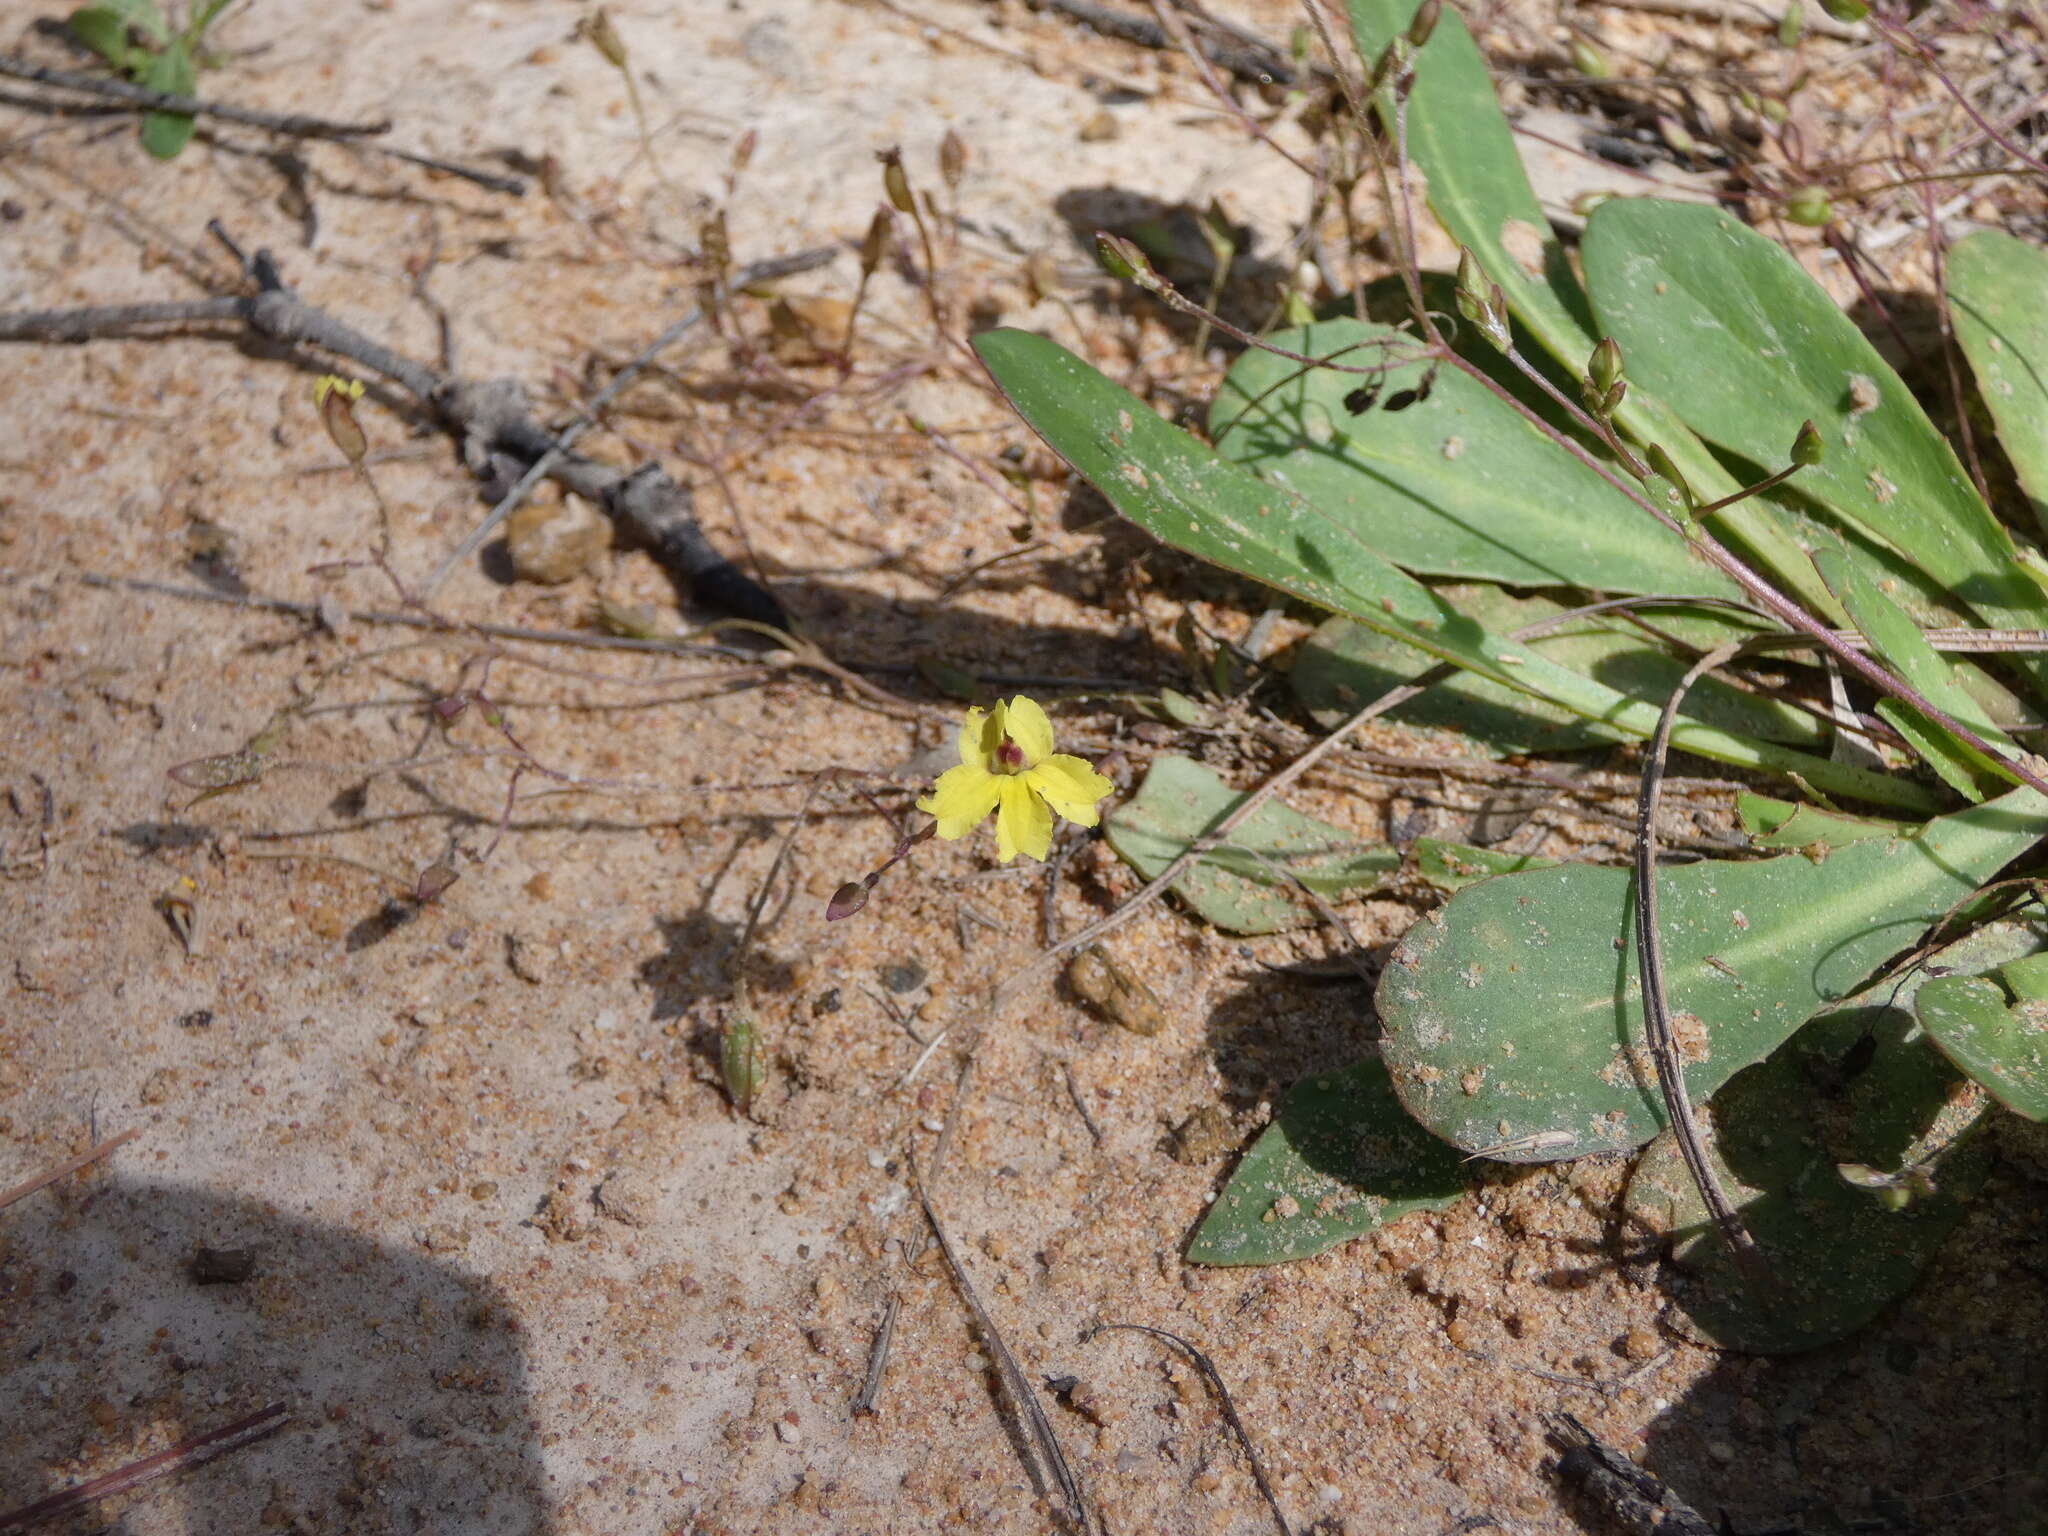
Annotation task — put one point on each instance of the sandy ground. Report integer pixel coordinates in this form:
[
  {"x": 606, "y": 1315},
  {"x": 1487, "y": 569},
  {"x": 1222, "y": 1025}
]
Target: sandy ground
[{"x": 518, "y": 1266}]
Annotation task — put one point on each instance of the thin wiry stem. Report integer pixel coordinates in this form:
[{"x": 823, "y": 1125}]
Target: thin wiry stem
[{"x": 1657, "y": 1028}]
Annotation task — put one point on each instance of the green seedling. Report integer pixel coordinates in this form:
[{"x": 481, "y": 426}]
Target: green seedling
[{"x": 136, "y": 39}]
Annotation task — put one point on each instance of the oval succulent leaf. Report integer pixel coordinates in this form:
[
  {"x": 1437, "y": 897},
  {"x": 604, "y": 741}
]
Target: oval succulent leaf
[
  {"x": 1516, "y": 1009},
  {"x": 1247, "y": 885},
  {"x": 1340, "y": 1159},
  {"x": 1727, "y": 328},
  {"x": 2000, "y": 1043},
  {"x": 1995, "y": 288},
  {"x": 1451, "y": 483}
]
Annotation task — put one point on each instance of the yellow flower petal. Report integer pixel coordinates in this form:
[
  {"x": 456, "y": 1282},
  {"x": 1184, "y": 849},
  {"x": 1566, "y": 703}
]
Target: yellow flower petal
[
  {"x": 1023, "y": 824},
  {"x": 980, "y": 734},
  {"x": 962, "y": 799},
  {"x": 1071, "y": 787},
  {"x": 1027, "y": 726}
]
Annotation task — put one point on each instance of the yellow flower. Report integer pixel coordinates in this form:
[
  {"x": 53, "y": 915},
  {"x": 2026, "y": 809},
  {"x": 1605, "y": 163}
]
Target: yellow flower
[
  {"x": 1007, "y": 765},
  {"x": 335, "y": 384}
]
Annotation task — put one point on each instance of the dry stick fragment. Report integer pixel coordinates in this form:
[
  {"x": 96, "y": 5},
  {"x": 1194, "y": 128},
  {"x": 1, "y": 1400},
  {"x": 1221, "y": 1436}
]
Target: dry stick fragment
[
  {"x": 1656, "y": 1002},
  {"x": 1254, "y": 66},
  {"x": 1215, "y": 1379},
  {"x": 1015, "y": 1384},
  {"x": 490, "y": 416},
  {"x": 297, "y": 125},
  {"x": 1638, "y": 1502},
  {"x": 878, "y": 1359},
  {"x": 84, "y": 1159},
  {"x": 291, "y": 124},
  {"x": 186, "y": 1453}
]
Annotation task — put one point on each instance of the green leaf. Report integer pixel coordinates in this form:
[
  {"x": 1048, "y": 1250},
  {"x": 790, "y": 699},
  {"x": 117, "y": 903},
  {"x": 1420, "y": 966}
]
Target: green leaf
[
  {"x": 1451, "y": 483},
  {"x": 2000, "y": 1043},
  {"x": 1453, "y": 866},
  {"x": 1344, "y": 665},
  {"x": 1782, "y": 824},
  {"x": 164, "y": 134},
  {"x": 102, "y": 30},
  {"x": 1516, "y": 1011},
  {"x": 1480, "y": 193},
  {"x": 1998, "y": 296},
  {"x": 1233, "y": 888},
  {"x": 1849, "y": 1164},
  {"x": 1899, "y": 642},
  {"x": 1186, "y": 494},
  {"x": 1340, "y": 1159},
  {"x": 1726, "y": 327}
]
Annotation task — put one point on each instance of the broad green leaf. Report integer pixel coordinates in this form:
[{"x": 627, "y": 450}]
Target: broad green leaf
[
  {"x": 1726, "y": 327},
  {"x": 1341, "y": 1159},
  {"x": 102, "y": 30},
  {"x": 1998, "y": 296},
  {"x": 1453, "y": 866},
  {"x": 2001, "y": 1043},
  {"x": 1515, "y": 1011},
  {"x": 1461, "y": 141},
  {"x": 1344, "y": 665},
  {"x": 1898, "y": 642},
  {"x": 1451, "y": 483},
  {"x": 1782, "y": 824},
  {"x": 164, "y": 134},
  {"x": 1183, "y": 492},
  {"x": 1247, "y": 885},
  {"x": 1850, "y": 1157}
]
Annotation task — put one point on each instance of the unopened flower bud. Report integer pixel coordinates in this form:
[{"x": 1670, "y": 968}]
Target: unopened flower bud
[
  {"x": 605, "y": 36},
  {"x": 1590, "y": 61},
  {"x": 1603, "y": 368},
  {"x": 1121, "y": 258},
  {"x": 952, "y": 159},
  {"x": 1807, "y": 448},
  {"x": 847, "y": 900},
  {"x": 1663, "y": 468},
  {"x": 896, "y": 181},
  {"x": 1425, "y": 21},
  {"x": 1809, "y": 206}
]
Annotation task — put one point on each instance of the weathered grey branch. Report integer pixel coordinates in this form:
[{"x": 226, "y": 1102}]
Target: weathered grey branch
[
  {"x": 298, "y": 125},
  {"x": 501, "y": 441}
]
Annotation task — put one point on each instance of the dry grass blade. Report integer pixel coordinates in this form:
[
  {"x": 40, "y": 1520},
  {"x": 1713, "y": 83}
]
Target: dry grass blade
[
  {"x": 1657, "y": 1004},
  {"x": 84, "y": 1159},
  {"x": 1015, "y": 1384},
  {"x": 186, "y": 1453},
  {"x": 1215, "y": 1379}
]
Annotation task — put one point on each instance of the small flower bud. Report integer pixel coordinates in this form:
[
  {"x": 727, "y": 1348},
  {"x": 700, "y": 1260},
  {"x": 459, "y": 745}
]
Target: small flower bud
[
  {"x": 1676, "y": 136},
  {"x": 1603, "y": 368},
  {"x": 335, "y": 398},
  {"x": 1395, "y": 60},
  {"x": 1121, "y": 258},
  {"x": 1424, "y": 24},
  {"x": 896, "y": 181},
  {"x": 874, "y": 247},
  {"x": 1792, "y": 25},
  {"x": 1480, "y": 302},
  {"x": 605, "y": 36},
  {"x": 952, "y": 160},
  {"x": 739, "y": 1060},
  {"x": 712, "y": 238},
  {"x": 1809, "y": 206},
  {"x": 1807, "y": 448},
  {"x": 743, "y": 151},
  {"x": 433, "y": 880},
  {"x": 1590, "y": 61},
  {"x": 847, "y": 900}
]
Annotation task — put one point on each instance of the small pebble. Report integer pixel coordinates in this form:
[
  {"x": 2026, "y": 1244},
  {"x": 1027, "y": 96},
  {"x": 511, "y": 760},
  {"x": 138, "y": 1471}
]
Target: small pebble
[
  {"x": 630, "y": 1198},
  {"x": 556, "y": 543}
]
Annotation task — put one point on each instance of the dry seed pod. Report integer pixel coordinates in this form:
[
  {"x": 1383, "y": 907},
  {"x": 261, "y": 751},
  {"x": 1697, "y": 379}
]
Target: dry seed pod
[{"x": 1115, "y": 993}]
